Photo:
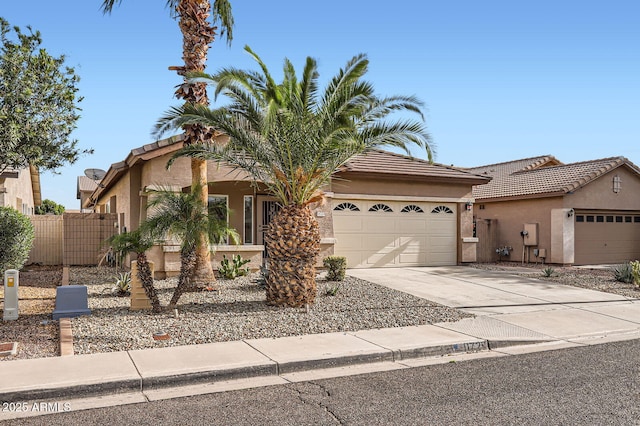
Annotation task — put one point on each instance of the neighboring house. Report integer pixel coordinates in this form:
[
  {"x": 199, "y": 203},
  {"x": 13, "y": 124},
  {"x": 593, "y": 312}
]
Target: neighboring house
[
  {"x": 20, "y": 189},
  {"x": 84, "y": 189},
  {"x": 381, "y": 209},
  {"x": 583, "y": 213}
]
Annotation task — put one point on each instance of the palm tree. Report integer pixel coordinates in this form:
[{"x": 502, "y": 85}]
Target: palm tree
[
  {"x": 292, "y": 138},
  {"x": 137, "y": 242},
  {"x": 185, "y": 217},
  {"x": 197, "y": 34}
]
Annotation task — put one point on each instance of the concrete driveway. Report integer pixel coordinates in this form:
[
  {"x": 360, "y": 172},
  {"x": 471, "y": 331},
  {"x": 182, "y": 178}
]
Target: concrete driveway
[{"x": 508, "y": 305}]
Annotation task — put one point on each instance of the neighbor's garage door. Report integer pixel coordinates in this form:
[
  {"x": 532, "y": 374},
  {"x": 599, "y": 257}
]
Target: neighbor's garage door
[
  {"x": 606, "y": 237},
  {"x": 373, "y": 234}
]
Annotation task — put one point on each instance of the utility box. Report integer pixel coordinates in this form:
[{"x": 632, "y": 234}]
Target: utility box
[
  {"x": 530, "y": 236},
  {"x": 11, "y": 278},
  {"x": 71, "y": 302}
]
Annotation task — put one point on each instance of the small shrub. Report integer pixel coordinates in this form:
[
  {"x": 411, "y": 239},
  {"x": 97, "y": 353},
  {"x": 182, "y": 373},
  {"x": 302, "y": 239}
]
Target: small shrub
[
  {"x": 231, "y": 269},
  {"x": 333, "y": 290},
  {"x": 548, "y": 272},
  {"x": 623, "y": 273},
  {"x": 123, "y": 284},
  {"x": 16, "y": 239},
  {"x": 635, "y": 270},
  {"x": 336, "y": 267}
]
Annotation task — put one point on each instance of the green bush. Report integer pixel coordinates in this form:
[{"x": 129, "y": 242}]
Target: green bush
[
  {"x": 623, "y": 273},
  {"x": 548, "y": 272},
  {"x": 234, "y": 268},
  {"x": 635, "y": 270},
  {"x": 16, "y": 239},
  {"x": 336, "y": 267}
]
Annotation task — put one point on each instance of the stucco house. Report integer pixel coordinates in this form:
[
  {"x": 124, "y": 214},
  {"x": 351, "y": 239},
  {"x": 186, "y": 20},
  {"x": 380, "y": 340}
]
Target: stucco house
[
  {"x": 381, "y": 210},
  {"x": 84, "y": 189},
  {"x": 579, "y": 213},
  {"x": 20, "y": 189}
]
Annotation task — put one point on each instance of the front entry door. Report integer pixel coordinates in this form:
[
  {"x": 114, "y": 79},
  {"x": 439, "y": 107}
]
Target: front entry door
[{"x": 268, "y": 207}]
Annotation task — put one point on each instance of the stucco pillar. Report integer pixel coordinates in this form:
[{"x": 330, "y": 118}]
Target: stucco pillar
[{"x": 562, "y": 237}]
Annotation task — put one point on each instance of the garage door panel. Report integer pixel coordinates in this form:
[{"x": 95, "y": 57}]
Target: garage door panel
[
  {"x": 379, "y": 224},
  {"x": 347, "y": 223},
  {"x": 412, "y": 259},
  {"x": 413, "y": 225}
]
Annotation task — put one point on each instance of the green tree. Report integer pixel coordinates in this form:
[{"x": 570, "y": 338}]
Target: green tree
[
  {"x": 38, "y": 104},
  {"x": 16, "y": 239},
  {"x": 49, "y": 206},
  {"x": 138, "y": 243},
  {"x": 292, "y": 138},
  {"x": 198, "y": 32},
  {"x": 183, "y": 216}
]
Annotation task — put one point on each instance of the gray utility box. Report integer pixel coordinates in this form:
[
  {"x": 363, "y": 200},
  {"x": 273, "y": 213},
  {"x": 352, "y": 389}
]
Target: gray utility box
[
  {"x": 71, "y": 302},
  {"x": 11, "y": 278}
]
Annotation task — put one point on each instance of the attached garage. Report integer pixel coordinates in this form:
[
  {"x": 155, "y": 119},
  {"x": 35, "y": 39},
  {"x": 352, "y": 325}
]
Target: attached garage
[
  {"x": 606, "y": 237},
  {"x": 385, "y": 233}
]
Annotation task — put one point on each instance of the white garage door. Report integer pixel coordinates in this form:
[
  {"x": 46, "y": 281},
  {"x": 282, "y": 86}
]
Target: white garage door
[{"x": 374, "y": 234}]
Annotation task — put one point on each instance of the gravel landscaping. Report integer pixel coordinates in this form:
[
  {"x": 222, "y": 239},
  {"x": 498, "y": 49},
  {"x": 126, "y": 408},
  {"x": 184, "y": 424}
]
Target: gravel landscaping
[{"x": 237, "y": 311}]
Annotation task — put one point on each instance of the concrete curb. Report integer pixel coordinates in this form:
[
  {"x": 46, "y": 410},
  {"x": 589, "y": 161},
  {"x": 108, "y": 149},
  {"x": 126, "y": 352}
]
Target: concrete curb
[{"x": 49, "y": 391}]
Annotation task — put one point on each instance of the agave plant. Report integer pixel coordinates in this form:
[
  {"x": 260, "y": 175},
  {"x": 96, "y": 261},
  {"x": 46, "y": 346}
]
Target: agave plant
[{"x": 292, "y": 138}]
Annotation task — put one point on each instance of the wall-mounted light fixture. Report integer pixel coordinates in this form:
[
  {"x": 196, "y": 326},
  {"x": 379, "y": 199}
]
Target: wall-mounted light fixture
[
  {"x": 468, "y": 205},
  {"x": 616, "y": 184},
  {"x": 570, "y": 213}
]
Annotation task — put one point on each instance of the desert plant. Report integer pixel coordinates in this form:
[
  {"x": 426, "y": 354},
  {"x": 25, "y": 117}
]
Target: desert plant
[
  {"x": 623, "y": 273},
  {"x": 635, "y": 270},
  {"x": 291, "y": 137},
  {"x": 333, "y": 289},
  {"x": 122, "y": 284},
  {"x": 199, "y": 21},
  {"x": 183, "y": 216},
  {"x": 138, "y": 243},
  {"x": 336, "y": 267},
  {"x": 231, "y": 269},
  {"x": 548, "y": 272},
  {"x": 16, "y": 239}
]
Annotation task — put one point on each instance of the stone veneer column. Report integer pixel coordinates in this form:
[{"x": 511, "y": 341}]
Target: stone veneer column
[{"x": 139, "y": 299}]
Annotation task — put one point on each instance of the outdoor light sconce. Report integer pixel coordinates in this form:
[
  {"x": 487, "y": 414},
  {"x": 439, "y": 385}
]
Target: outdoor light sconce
[
  {"x": 468, "y": 205},
  {"x": 570, "y": 213},
  {"x": 616, "y": 184}
]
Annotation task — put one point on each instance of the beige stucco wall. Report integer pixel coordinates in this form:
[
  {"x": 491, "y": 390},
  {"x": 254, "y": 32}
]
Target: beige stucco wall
[
  {"x": 599, "y": 193},
  {"x": 511, "y": 217},
  {"x": 17, "y": 191}
]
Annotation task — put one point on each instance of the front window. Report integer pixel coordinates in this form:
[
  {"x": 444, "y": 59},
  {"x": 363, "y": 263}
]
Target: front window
[
  {"x": 219, "y": 208},
  {"x": 248, "y": 219}
]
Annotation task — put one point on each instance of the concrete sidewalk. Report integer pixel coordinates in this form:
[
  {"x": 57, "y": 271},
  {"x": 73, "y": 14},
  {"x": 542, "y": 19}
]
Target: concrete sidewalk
[{"x": 511, "y": 311}]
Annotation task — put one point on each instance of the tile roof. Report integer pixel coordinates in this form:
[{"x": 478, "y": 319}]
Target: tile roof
[
  {"x": 388, "y": 163},
  {"x": 542, "y": 175}
]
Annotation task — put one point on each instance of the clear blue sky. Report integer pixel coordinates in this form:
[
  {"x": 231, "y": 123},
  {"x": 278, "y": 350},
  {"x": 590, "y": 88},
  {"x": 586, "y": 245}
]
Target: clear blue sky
[{"x": 502, "y": 80}]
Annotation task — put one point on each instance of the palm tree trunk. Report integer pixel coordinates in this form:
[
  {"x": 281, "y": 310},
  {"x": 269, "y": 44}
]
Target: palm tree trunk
[
  {"x": 146, "y": 279},
  {"x": 197, "y": 35},
  {"x": 187, "y": 264},
  {"x": 293, "y": 245}
]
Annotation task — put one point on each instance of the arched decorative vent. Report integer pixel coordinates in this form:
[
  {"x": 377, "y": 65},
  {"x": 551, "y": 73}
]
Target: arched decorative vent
[
  {"x": 380, "y": 208},
  {"x": 412, "y": 208},
  {"x": 349, "y": 207},
  {"x": 442, "y": 209}
]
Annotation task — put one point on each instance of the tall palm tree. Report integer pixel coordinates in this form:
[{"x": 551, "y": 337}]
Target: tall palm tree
[
  {"x": 138, "y": 242},
  {"x": 185, "y": 217},
  {"x": 292, "y": 138},
  {"x": 197, "y": 34}
]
